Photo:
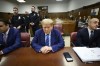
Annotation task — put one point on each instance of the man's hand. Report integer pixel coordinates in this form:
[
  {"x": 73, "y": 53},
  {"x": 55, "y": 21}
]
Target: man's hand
[
  {"x": 1, "y": 52},
  {"x": 18, "y": 27},
  {"x": 15, "y": 27},
  {"x": 46, "y": 49},
  {"x": 31, "y": 23}
]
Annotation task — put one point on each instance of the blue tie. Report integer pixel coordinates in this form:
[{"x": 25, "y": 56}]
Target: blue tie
[{"x": 47, "y": 40}]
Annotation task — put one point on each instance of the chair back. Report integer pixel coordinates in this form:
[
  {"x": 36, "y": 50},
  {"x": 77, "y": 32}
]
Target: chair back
[
  {"x": 25, "y": 39},
  {"x": 73, "y": 37}
]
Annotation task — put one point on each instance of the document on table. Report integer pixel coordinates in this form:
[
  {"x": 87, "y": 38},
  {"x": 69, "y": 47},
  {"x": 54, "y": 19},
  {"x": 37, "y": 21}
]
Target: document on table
[{"x": 87, "y": 54}]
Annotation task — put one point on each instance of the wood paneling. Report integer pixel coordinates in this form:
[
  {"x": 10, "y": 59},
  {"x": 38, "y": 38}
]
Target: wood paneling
[
  {"x": 6, "y": 16},
  {"x": 86, "y": 11},
  {"x": 68, "y": 27},
  {"x": 57, "y": 15}
]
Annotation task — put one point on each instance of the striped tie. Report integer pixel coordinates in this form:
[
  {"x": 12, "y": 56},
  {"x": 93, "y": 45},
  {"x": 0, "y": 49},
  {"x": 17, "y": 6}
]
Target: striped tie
[
  {"x": 4, "y": 38},
  {"x": 47, "y": 40}
]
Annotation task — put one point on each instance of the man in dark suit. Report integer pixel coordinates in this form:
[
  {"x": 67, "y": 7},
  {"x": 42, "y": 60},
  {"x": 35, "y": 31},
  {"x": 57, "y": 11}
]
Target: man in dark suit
[
  {"x": 89, "y": 36},
  {"x": 34, "y": 20},
  {"x": 9, "y": 38},
  {"x": 17, "y": 21},
  {"x": 47, "y": 39}
]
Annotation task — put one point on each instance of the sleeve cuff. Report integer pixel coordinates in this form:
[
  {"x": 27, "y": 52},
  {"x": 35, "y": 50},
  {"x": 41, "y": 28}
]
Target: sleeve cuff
[
  {"x": 1, "y": 52},
  {"x": 52, "y": 49}
]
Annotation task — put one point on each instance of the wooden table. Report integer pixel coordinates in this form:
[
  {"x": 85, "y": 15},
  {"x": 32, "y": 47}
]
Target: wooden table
[{"x": 28, "y": 57}]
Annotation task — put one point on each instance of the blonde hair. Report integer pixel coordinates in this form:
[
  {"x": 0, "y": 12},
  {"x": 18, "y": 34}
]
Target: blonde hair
[{"x": 47, "y": 21}]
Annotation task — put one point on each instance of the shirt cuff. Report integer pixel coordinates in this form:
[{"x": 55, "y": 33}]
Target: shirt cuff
[
  {"x": 1, "y": 52},
  {"x": 52, "y": 49}
]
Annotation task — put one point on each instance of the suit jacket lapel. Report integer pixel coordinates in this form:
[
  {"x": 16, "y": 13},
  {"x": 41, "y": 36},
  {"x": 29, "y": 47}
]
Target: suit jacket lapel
[
  {"x": 9, "y": 36},
  {"x": 87, "y": 34},
  {"x": 95, "y": 34},
  {"x": 43, "y": 37},
  {"x": 52, "y": 37},
  {"x": 2, "y": 39}
]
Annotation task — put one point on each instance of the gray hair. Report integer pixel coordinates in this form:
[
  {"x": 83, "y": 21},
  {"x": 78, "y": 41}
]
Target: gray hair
[{"x": 93, "y": 20}]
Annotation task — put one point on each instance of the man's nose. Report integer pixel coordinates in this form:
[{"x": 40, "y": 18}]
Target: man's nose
[
  {"x": 46, "y": 29},
  {"x": 97, "y": 24}
]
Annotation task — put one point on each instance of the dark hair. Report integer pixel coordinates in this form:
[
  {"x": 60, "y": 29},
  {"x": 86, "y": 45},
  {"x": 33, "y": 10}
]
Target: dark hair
[
  {"x": 6, "y": 22},
  {"x": 33, "y": 6},
  {"x": 15, "y": 8}
]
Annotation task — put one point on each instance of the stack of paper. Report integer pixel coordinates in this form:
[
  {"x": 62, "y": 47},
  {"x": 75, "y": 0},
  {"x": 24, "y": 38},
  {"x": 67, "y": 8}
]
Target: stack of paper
[{"x": 88, "y": 54}]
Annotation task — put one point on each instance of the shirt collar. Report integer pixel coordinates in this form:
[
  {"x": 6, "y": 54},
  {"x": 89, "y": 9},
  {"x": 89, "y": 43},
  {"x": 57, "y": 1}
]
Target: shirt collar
[
  {"x": 7, "y": 31},
  {"x": 89, "y": 29},
  {"x": 48, "y": 34}
]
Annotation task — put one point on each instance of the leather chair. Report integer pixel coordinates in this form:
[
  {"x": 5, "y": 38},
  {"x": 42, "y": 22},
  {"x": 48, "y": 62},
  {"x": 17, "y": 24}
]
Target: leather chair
[
  {"x": 73, "y": 38},
  {"x": 25, "y": 39}
]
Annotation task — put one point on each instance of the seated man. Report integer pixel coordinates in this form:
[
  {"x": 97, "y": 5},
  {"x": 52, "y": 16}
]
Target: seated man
[
  {"x": 47, "y": 39},
  {"x": 9, "y": 38},
  {"x": 90, "y": 36}
]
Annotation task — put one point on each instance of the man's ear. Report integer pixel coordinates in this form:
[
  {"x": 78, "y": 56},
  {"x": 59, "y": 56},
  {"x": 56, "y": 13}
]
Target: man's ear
[
  {"x": 88, "y": 23},
  {"x": 7, "y": 25}
]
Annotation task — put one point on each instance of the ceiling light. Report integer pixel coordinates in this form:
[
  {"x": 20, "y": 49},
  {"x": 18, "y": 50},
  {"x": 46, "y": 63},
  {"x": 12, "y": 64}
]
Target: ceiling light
[
  {"x": 21, "y": 1},
  {"x": 59, "y": 0}
]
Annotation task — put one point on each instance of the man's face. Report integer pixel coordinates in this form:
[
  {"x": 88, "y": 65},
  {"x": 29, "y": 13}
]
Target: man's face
[
  {"x": 3, "y": 27},
  {"x": 47, "y": 28},
  {"x": 15, "y": 11},
  {"x": 94, "y": 24},
  {"x": 26, "y": 13},
  {"x": 32, "y": 9}
]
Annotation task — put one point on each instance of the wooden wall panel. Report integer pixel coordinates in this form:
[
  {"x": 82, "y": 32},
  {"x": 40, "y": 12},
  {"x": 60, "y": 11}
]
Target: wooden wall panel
[
  {"x": 68, "y": 27},
  {"x": 58, "y": 15},
  {"x": 86, "y": 11},
  {"x": 6, "y": 16}
]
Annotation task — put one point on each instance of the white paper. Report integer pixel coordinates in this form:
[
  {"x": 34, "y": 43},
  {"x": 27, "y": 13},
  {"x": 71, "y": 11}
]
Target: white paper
[{"x": 88, "y": 54}]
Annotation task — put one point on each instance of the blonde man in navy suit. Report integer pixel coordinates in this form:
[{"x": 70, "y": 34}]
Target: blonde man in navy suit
[{"x": 47, "y": 39}]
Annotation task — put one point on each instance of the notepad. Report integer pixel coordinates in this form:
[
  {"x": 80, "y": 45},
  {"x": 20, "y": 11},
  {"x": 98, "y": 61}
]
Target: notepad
[{"x": 87, "y": 54}]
